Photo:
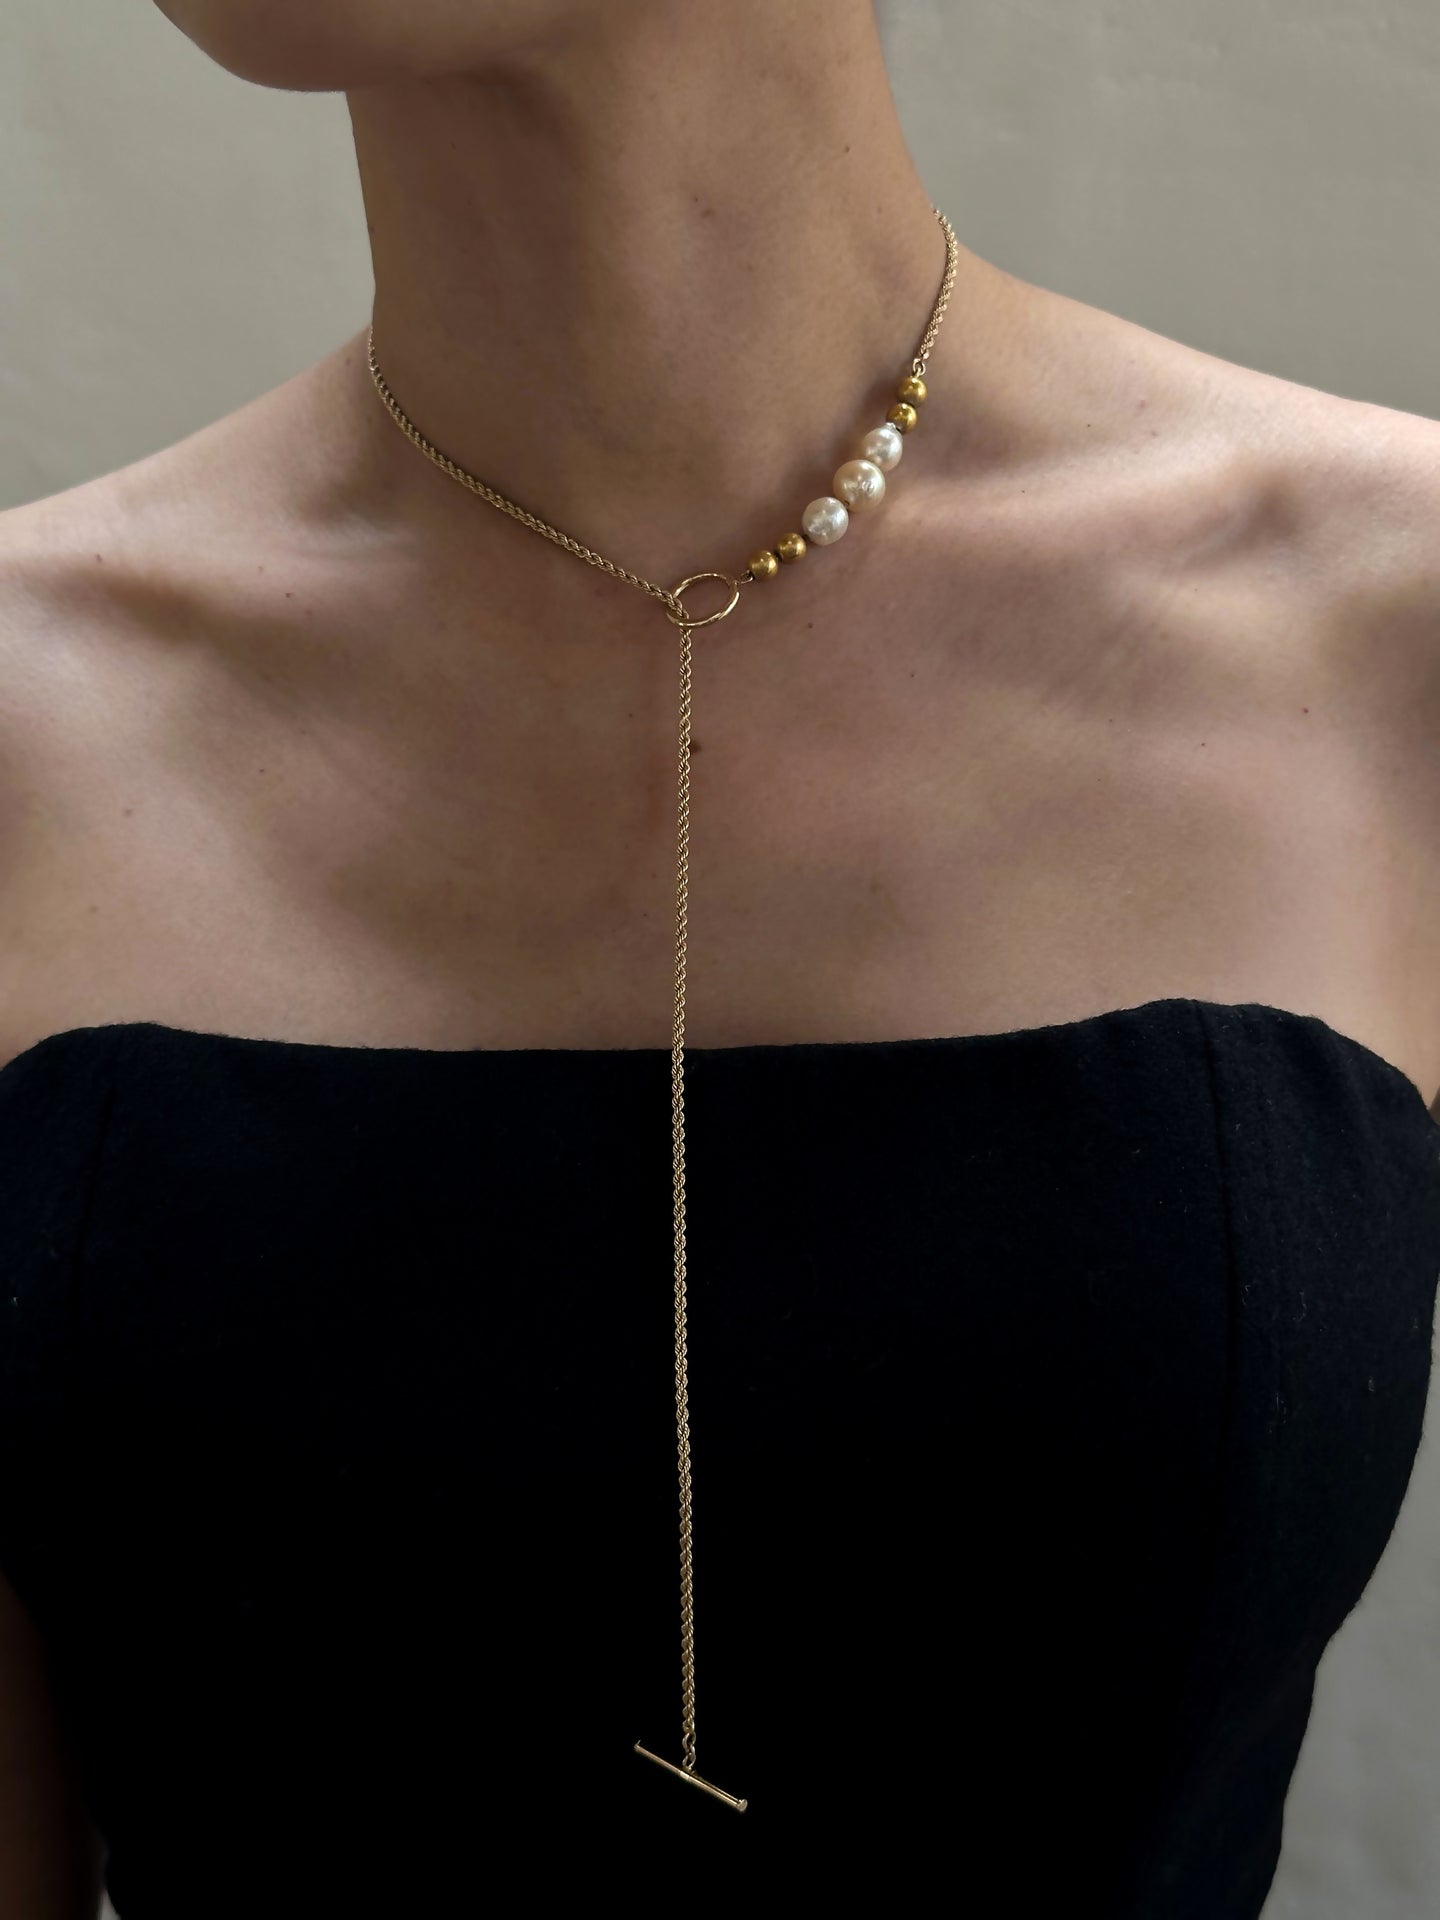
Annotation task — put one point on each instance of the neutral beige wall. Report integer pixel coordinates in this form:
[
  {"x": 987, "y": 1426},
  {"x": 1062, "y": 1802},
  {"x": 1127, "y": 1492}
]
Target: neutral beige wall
[
  {"x": 1255, "y": 176},
  {"x": 172, "y": 241}
]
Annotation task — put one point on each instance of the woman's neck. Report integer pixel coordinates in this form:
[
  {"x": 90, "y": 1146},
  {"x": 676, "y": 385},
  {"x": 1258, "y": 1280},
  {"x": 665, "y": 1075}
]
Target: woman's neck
[{"x": 650, "y": 282}]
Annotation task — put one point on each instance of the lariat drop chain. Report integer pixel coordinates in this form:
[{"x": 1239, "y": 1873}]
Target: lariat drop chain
[{"x": 859, "y": 486}]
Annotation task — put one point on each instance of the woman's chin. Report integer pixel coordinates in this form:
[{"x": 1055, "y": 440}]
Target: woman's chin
[{"x": 331, "y": 46}]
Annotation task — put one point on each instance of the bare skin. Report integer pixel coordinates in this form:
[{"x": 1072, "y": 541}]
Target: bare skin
[
  {"x": 1140, "y": 702},
  {"x": 1130, "y": 689}
]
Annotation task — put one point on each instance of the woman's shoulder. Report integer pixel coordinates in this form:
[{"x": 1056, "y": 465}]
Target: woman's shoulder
[
  {"x": 140, "y": 584},
  {"x": 94, "y": 581},
  {"x": 1355, "y": 541},
  {"x": 1121, "y": 387},
  {"x": 1334, "y": 538},
  {"x": 1355, "y": 505},
  {"x": 1364, "y": 480},
  {"x": 133, "y": 548},
  {"x": 74, "y": 576},
  {"x": 129, "y": 610},
  {"x": 1315, "y": 508},
  {"x": 1343, "y": 555}
]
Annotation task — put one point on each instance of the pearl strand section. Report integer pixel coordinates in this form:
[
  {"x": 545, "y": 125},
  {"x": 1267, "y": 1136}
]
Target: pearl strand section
[{"x": 858, "y": 484}]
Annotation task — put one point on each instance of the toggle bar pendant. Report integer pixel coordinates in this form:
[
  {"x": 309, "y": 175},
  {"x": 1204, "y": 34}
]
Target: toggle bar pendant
[{"x": 694, "y": 1780}]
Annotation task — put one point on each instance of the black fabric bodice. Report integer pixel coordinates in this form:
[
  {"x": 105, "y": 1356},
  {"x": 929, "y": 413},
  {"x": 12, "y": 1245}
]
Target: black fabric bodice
[{"x": 1053, "y": 1396}]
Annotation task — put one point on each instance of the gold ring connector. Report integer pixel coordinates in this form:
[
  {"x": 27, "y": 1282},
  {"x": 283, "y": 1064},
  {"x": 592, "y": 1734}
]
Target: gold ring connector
[{"x": 710, "y": 618}]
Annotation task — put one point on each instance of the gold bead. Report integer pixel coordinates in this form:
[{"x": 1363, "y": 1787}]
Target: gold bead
[
  {"x": 763, "y": 565},
  {"x": 792, "y": 547},
  {"x": 903, "y": 416},
  {"x": 913, "y": 389}
]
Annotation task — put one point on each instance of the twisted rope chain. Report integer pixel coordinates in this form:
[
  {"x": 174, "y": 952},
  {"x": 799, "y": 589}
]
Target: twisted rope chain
[
  {"x": 677, "y": 1125},
  {"x": 456, "y": 472},
  {"x": 672, "y": 600}
]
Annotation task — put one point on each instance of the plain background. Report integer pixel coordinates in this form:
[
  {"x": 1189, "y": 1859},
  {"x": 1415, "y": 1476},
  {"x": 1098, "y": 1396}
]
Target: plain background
[{"x": 1255, "y": 177}]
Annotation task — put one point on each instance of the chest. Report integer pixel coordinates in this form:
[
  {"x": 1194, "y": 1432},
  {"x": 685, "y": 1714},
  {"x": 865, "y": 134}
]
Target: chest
[
  {"x": 366, "y": 1361},
  {"x": 975, "y": 802}
]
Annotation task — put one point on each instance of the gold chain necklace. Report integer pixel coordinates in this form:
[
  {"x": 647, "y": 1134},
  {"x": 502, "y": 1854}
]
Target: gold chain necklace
[{"x": 859, "y": 484}]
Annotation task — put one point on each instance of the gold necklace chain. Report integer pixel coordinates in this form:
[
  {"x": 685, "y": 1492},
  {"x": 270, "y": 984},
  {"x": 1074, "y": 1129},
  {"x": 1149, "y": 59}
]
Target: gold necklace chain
[{"x": 859, "y": 485}]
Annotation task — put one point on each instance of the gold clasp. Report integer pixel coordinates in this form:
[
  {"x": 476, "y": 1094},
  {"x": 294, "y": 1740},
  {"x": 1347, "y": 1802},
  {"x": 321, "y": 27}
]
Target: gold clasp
[
  {"x": 689, "y": 1774},
  {"x": 682, "y": 619}
]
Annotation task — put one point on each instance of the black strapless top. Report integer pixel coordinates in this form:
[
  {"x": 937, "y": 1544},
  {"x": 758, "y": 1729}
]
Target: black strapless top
[{"x": 1054, "y": 1393}]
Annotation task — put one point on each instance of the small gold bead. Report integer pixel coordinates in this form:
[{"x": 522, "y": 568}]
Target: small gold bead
[
  {"x": 763, "y": 565},
  {"x": 792, "y": 547},
  {"x": 913, "y": 389},
  {"x": 903, "y": 416}
]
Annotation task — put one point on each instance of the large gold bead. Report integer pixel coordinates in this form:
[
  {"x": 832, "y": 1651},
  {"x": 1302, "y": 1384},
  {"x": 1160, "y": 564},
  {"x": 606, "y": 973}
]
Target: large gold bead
[
  {"x": 913, "y": 389},
  {"x": 763, "y": 565},
  {"x": 792, "y": 547},
  {"x": 903, "y": 416}
]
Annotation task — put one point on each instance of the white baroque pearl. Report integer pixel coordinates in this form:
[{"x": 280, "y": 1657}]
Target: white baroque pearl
[
  {"x": 860, "y": 483},
  {"x": 824, "y": 520},
  {"x": 884, "y": 446}
]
